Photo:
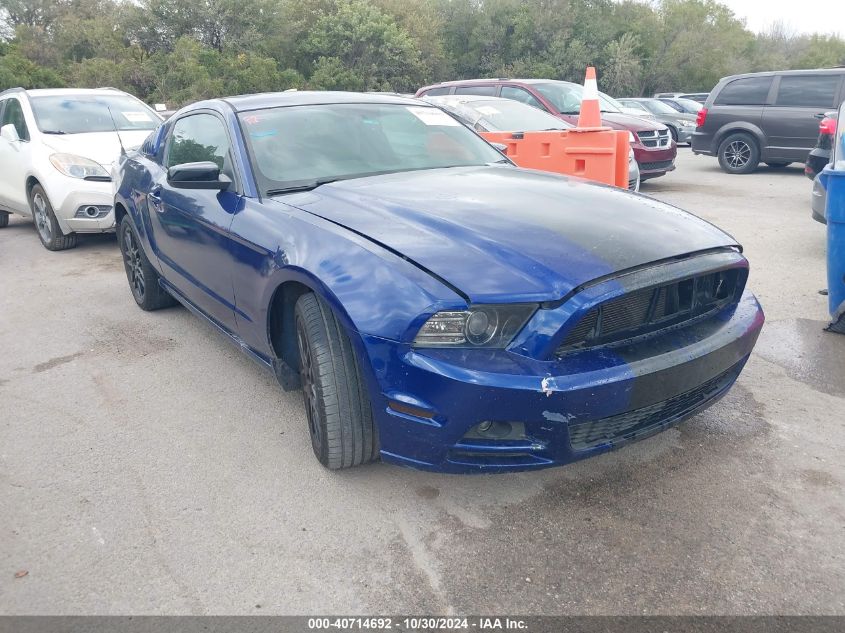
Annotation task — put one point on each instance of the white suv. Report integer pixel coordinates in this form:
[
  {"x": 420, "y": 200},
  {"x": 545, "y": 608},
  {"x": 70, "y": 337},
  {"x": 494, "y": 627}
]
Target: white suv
[{"x": 57, "y": 150}]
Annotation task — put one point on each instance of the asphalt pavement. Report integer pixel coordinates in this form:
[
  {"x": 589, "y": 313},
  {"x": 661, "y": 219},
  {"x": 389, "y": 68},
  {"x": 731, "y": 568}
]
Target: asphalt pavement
[{"x": 149, "y": 467}]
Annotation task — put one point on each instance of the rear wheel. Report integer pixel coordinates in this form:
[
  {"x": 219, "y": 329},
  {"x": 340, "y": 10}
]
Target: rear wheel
[
  {"x": 778, "y": 165},
  {"x": 340, "y": 417},
  {"x": 739, "y": 154},
  {"x": 4, "y": 219},
  {"x": 49, "y": 231},
  {"x": 143, "y": 278}
]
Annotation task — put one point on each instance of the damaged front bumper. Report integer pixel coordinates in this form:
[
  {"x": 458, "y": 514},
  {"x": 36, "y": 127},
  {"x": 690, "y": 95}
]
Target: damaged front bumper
[{"x": 494, "y": 410}]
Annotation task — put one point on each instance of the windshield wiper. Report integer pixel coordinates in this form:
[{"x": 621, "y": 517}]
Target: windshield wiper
[
  {"x": 308, "y": 186},
  {"x": 53, "y": 132}
]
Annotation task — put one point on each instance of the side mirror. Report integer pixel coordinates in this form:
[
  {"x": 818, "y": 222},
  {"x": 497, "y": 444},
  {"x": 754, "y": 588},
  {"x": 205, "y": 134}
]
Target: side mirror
[
  {"x": 202, "y": 175},
  {"x": 10, "y": 133}
]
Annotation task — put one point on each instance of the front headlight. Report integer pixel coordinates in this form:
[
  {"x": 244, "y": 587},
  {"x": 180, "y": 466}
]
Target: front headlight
[
  {"x": 631, "y": 137},
  {"x": 481, "y": 326},
  {"x": 687, "y": 124},
  {"x": 78, "y": 166}
]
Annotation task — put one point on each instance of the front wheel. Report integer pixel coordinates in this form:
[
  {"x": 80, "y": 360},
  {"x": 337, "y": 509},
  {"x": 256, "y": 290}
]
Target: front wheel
[
  {"x": 4, "y": 219},
  {"x": 673, "y": 132},
  {"x": 143, "y": 278},
  {"x": 340, "y": 417},
  {"x": 49, "y": 231},
  {"x": 739, "y": 154}
]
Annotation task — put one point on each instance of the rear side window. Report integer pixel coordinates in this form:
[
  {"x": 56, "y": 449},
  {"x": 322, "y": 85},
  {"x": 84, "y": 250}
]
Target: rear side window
[
  {"x": 817, "y": 91},
  {"x": 748, "y": 91},
  {"x": 487, "y": 91},
  {"x": 13, "y": 113},
  {"x": 436, "y": 92}
]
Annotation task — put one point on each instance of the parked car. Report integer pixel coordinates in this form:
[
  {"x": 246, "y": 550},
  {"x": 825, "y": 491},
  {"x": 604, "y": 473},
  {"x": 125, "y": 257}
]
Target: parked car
[
  {"x": 495, "y": 114},
  {"x": 653, "y": 147},
  {"x": 819, "y": 157},
  {"x": 768, "y": 117},
  {"x": 680, "y": 124},
  {"x": 820, "y": 154},
  {"x": 687, "y": 106},
  {"x": 57, "y": 149},
  {"x": 440, "y": 307},
  {"x": 701, "y": 97}
]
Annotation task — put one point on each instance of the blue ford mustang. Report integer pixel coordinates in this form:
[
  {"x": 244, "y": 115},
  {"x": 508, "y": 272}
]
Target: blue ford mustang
[{"x": 439, "y": 307}]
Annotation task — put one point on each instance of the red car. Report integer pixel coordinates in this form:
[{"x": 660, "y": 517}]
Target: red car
[{"x": 652, "y": 142}]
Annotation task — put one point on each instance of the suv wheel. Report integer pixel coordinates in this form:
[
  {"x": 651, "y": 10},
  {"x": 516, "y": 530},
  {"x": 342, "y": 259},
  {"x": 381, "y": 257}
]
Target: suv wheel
[
  {"x": 739, "y": 154},
  {"x": 49, "y": 231}
]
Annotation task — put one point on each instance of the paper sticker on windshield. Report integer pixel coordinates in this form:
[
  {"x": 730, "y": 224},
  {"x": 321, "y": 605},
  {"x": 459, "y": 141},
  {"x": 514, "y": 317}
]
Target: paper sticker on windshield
[
  {"x": 136, "y": 117},
  {"x": 432, "y": 116},
  {"x": 488, "y": 110}
]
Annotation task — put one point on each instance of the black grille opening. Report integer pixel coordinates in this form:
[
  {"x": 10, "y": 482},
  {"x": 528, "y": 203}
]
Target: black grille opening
[
  {"x": 640, "y": 422},
  {"x": 654, "y": 309},
  {"x": 660, "y": 164}
]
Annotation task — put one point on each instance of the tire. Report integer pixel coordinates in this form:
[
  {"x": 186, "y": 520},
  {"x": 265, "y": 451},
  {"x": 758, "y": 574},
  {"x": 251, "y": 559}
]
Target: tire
[
  {"x": 4, "y": 219},
  {"x": 778, "y": 165},
  {"x": 739, "y": 153},
  {"x": 340, "y": 417},
  {"x": 674, "y": 133},
  {"x": 142, "y": 277},
  {"x": 46, "y": 225}
]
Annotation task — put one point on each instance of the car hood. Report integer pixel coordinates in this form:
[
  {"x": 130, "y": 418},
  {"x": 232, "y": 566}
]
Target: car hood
[
  {"x": 628, "y": 122},
  {"x": 102, "y": 147},
  {"x": 507, "y": 234}
]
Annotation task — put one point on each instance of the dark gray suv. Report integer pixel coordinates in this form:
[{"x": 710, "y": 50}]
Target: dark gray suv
[{"x": 771, "y": 117}]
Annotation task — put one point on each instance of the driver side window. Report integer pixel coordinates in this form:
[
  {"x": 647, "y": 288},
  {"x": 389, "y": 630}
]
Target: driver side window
[
  {"x": 13, "y": 114},
  {"x": 197, "y": 138}
]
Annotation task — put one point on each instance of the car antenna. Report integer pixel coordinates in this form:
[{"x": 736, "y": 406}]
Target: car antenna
[{"x": 116, "y": 131}]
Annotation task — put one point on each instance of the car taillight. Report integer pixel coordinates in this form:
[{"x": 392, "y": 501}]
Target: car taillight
[
  {"x": 827, "y": 126},
  {"x": 701, "y": 117}
]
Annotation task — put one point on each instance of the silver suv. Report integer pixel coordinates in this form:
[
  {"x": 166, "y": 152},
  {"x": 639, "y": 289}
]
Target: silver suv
[{"x": 770, "y": 117}]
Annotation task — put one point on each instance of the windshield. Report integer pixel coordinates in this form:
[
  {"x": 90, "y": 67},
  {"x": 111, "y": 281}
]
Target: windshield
[
  {"x": 504, "y": 115},
  {"x": 566, "y": 98},
  {"x": 304, "y": 146},
  {"x": 689, "y": 106},
  {"x": 76, "y": 114},
  {"x": 658, "y": 107}
]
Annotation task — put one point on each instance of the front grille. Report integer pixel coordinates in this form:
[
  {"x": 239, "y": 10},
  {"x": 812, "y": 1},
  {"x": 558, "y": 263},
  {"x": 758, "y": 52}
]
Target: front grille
[
  {"x": 653, "y": 309},
  {"x": 655, "y": 139},
  {"x": 641, "y": 421},
  {"x": 660, "y": 164}
]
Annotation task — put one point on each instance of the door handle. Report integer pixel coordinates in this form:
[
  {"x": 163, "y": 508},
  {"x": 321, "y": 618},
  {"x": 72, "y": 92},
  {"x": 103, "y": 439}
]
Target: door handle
[{"x": 154, "y": 198}]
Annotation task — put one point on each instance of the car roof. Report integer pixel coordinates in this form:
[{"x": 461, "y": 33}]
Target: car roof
[
  {"x": 463, "y": 82},
  {"x": 60, "y": 92},
  {"x": 243, "y": 103},
  {"x": 769, "y": 73},
  {"x": 464, "y": 99}
]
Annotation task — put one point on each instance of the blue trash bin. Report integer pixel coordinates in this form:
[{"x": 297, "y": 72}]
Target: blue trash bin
[{"x": 833, "y": 180}]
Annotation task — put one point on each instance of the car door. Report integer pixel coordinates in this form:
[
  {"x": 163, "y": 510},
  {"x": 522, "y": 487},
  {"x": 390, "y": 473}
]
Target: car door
[
  {"x": 15, "y": 158},
  {"x": 191, "y": 226},
  {"x": 790, "y": 123}
]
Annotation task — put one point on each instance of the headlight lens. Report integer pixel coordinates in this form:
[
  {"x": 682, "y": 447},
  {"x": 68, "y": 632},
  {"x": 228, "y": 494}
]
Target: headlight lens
[
  {"x": 687, "y": 124},
  {"x": 492, "y": 326},
  {"x": 78, "y": 166},
  {"x": 631, "y": 137}
]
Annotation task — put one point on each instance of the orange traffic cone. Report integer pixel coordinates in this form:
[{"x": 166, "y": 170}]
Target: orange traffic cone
[{"x": 590, "y": 116}]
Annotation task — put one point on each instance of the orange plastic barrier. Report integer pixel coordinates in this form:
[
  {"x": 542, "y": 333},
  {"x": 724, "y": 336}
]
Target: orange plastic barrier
[{"x": 600, "y": 155}]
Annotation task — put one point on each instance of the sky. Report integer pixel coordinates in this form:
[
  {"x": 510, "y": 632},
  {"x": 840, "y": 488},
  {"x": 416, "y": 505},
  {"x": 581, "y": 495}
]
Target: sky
[{"x": 802, "y": 17}]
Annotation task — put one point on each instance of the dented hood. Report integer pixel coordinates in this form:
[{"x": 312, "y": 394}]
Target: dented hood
[{"x": 503, "y": 234}]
